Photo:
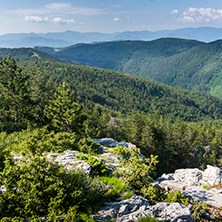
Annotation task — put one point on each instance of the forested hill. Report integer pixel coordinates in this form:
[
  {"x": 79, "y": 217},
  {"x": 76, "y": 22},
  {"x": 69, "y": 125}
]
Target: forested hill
[
  {"x": 120, "y": 55},
  {"x": 30, "y": 54},
  {"x": 116, "y": 91},
  {"x": 183, "y": 63}
]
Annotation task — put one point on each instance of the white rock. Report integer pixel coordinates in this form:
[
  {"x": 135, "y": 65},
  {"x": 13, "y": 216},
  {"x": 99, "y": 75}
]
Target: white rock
[
  {"x": 212, "y": 175},
  {"x": 188, "y": 176},
  {"x": 172, "y": 185},
  {"x": 106, "y": 142},
  {"x": 211, "y": 196}
]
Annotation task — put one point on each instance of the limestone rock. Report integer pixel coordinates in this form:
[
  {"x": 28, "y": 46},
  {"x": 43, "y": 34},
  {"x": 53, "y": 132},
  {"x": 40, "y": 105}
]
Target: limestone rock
[
  {"x": 174, "y": 212},
  {"x": 119, "y": 209},
  {"x": 106, "y": 142},
  {"x": 172, "y": 185},
  {"x": 69, "y": 161},
  {"x": 212, "y": 175},
  {"x": 132, "y": 209},
  {"x": 210, "y": 196},
  {"x": 189, "y": 177},
  {"x": 169, "y": 176}
]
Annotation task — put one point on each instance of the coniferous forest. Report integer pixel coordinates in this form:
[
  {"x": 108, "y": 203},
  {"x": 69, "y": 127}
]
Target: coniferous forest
[{"x": 50, "y": 107}]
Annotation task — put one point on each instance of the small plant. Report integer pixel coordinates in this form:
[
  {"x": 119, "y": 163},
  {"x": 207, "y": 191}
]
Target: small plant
[
  {"x": 98, "y": 168},
  {"x": 148, "y": 219},
  {"x": 123, "y": 151},
  {"x": 176, "y": 196},
  {"x": 135, "y": 172},
  {"x": 198, "y": 209},
  {"x": 206, "y": 186},
  {"x": 153, "y": 194},
  {"x": 128, "y": 195}
]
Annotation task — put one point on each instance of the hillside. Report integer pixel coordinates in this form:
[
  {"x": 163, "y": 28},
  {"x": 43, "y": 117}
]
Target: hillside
[
  {"x": 31, "y": 54},
  {"x": 125, "y": 93},
  {"x": 182, "y": 63}
]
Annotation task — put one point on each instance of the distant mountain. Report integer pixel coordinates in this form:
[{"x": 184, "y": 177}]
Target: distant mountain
[
  {"x": 182, "y": 63},
  {"x": 64, "y": 39}
]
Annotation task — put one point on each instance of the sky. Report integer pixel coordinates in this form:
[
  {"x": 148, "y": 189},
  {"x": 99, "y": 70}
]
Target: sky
[{"x": 107, "y": 16}]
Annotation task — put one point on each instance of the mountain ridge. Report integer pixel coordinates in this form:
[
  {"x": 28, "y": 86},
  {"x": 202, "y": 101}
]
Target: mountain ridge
[{"x": 64, "y": 39}]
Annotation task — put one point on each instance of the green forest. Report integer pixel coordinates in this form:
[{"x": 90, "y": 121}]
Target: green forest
[
  {"x": 50, "y": 107},
  {"x": 180, "y": 63}
]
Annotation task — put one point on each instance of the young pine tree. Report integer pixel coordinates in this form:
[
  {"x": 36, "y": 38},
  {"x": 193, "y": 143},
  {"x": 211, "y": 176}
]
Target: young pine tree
[{"x": 64, "y": 114}]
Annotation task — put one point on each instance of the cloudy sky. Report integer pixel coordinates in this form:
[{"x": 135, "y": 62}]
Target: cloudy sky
[{"x": 107, "y": 16}]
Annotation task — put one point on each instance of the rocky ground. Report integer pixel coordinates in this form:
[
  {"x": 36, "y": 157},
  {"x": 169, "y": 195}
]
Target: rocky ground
[{"x": 193, "y": 183}]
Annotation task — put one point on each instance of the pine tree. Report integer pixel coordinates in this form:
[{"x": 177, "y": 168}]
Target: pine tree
[
  {"x": 15, "y": 98},
  {"x": 64, "y": 114}
]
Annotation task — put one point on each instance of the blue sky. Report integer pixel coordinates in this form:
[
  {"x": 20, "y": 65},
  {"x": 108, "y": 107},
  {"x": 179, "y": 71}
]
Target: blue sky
[{"x": 107, "y": 16}]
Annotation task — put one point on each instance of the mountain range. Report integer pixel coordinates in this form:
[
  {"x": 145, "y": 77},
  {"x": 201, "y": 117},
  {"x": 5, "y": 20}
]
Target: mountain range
[{"x": 64, "y": 39}]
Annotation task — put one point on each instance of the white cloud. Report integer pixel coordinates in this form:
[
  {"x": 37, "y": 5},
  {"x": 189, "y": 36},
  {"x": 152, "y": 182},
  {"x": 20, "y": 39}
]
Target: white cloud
[
  {"x": 62, "y": 21},
  {"x": 56, "y": 20},
  {"x": 58, "y": 6},
  {"x": 36, "y": 19},
  {"x": 175, "y": 12},
  {"x": 199, "y": 15},
  {"x": 116, "y": 19}
]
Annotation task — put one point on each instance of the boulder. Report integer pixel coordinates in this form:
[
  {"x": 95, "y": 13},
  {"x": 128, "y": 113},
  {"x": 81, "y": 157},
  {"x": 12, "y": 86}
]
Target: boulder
[
  {"x": 212, "y": 175},
  {"x": 137, "y": 206},
  {"x": 169, "y": 176},
  {"x": 119, "y": 209},
  {"x": 69, "y": 161},
  {"x": 106, "y": 142},
  {"x": 211, "y": 196},
  {"x": 173, "y": 212},
  {"x": 190, "y": 177},
  {"x": 172, "y": 185}
]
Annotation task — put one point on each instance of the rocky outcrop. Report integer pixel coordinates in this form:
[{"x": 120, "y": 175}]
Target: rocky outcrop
[
  {"x": 112, "y": 143},
  {"x": 191, "y": 183},
  {"x": 212, "y": 175},
  {"x": 69, "y": 160},
  {"x": 211, "y": 196},
  {"x": 136, "y": 207},
  {"x": 188, "y": 177}
]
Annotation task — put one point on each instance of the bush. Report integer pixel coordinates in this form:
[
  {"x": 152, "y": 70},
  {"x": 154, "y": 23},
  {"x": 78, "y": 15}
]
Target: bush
[
  {"x": 45, "y": 141},
  {"x": 37, "y": 187},
  {"x": 98, "y": 168},
  {"x": 128, "y": 195},
  {"x": 148, "y": 219},
  {"x": 176, "y": 196},
  {"x": 115, "y": 186},
  {"x": 153, "y": 194},
  {"x": 136, "y": 172},
  {"x": 39, "y": 140},
  {"x": 88, "y": 146},
  {"x": 124, "y": 151}
]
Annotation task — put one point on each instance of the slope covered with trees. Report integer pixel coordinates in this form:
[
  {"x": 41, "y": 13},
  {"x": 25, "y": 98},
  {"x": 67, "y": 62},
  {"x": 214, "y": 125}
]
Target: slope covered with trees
[
  {"x": 182, "y": 63},
  {"x": 118, "y": 92}
]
